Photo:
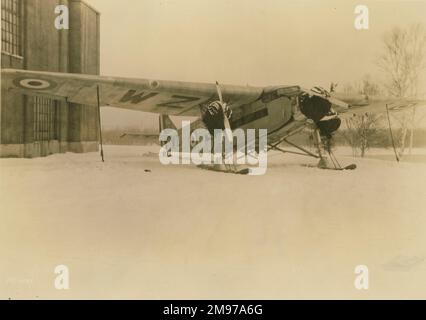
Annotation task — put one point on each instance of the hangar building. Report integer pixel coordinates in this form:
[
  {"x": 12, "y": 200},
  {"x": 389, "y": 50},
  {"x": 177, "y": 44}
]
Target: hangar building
[{"x": 38, "y": 126}]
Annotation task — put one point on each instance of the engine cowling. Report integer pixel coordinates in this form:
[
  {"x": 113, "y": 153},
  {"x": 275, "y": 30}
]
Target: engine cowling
[
  {"x": 319, "y": 110},
  {"x": 214, "y": 114}
]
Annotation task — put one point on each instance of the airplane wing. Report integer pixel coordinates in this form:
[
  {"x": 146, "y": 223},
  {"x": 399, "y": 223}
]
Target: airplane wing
[
  {"x": 157, "y": 96},
  {"x": 363, "y": 104}
]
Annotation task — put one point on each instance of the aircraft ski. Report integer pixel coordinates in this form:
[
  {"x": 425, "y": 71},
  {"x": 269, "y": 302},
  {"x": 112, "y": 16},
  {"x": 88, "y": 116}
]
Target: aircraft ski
[
  {"x": 236, "y": 169},
  {"x": 348, "y": 167}
]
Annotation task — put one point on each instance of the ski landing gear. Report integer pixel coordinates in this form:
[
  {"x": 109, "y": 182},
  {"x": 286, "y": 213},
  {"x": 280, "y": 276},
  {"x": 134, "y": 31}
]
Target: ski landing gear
[{"x": 327, "y": 159}]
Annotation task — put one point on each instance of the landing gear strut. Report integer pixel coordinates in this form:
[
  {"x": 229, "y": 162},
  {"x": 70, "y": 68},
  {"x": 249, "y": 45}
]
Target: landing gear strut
[{"x": 327, "y": 159}]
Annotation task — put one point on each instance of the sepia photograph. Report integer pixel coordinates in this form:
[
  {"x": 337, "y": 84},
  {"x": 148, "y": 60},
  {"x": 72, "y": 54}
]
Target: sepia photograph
[{"x": 213, "y": 150}]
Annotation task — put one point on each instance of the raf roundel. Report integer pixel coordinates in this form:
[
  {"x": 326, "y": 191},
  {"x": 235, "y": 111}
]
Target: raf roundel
[
  {"x": 154, "y": 84},
  {"x": 34, "y": 84}
]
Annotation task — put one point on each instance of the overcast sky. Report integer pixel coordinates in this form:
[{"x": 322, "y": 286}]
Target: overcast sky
[{"x": 242, "y": 42}]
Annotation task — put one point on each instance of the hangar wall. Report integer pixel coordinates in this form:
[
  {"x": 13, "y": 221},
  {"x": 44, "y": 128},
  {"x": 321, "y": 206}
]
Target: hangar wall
[{"x": 33, "y": 127}]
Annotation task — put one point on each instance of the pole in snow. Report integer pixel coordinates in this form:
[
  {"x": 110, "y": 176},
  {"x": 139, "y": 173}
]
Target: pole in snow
[
  {"x": 391, "y": 134},
  {"x": 100, "y": 124}
]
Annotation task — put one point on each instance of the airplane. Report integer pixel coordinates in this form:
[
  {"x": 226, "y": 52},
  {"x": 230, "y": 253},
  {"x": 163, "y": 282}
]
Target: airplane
[{"x": 283, "y": 110}]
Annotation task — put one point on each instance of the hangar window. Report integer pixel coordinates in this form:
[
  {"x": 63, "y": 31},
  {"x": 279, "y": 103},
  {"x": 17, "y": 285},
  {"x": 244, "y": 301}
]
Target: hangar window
[
  {"x": 45, "y": 119},
  {"x": 11, "y": 27}
]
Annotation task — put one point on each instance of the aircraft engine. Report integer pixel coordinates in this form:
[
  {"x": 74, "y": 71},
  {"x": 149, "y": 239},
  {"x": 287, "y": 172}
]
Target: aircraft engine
[
  {"x": 320, "y": 110},
  {"x": 213, "y": 115}
]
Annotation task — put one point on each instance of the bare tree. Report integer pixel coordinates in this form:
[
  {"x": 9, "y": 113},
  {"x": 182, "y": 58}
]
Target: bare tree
[
  {"x": 402, "y": 62},
  {"x": 361, "y": 129},
  {"x": 403, "y": 59}
]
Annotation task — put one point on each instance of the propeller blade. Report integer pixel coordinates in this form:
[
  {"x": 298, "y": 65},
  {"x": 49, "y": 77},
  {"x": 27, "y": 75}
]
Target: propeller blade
[
  {"x": 227, "y": 125},
  {"x": 219, "y": 92}
]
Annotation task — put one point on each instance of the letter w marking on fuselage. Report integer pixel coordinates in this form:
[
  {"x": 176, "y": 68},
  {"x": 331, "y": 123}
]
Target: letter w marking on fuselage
[{"x": 137, "y": 98}]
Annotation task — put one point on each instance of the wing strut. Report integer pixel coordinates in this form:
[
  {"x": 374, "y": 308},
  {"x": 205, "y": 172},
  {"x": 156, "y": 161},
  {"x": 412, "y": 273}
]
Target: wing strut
[
  {"x": 100, "y": 123},
  {"x": 391, "y": 133}
]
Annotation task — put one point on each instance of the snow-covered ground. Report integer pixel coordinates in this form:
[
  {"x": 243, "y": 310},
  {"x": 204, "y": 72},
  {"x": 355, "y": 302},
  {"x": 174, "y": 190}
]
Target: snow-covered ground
[{"x": 133, "y": 228}]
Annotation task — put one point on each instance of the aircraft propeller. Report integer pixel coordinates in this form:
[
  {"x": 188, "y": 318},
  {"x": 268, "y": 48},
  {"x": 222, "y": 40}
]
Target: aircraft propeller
[{"x": 227, "y": 125}]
